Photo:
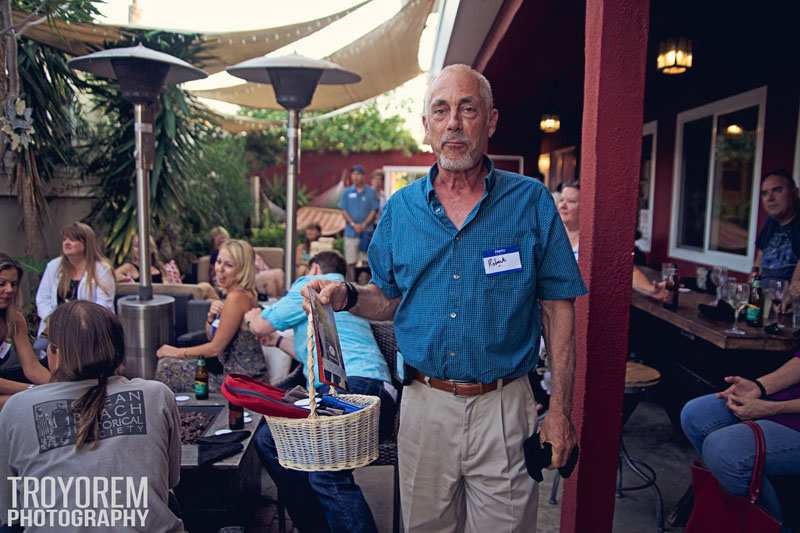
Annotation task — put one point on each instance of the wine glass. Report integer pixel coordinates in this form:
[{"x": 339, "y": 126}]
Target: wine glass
[
  {"x": 719, "y": 276},
  {"x": 736, "y": 294}
]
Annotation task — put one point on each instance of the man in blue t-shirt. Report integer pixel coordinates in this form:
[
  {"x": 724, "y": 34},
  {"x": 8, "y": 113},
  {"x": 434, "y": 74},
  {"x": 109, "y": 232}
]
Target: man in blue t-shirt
[
  {"x": 359, "y": 205},
  {"x": 324, "y": 501},
  {"x": 778, "y": 243}
]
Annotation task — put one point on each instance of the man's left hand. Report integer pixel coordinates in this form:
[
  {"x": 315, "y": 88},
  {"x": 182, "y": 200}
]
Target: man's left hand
[{"x": 558, "y": 431}]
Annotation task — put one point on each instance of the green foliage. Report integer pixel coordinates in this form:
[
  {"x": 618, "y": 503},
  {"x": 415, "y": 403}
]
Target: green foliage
[
  {"x": 33, "y": 269},
  {"x": 275, "y": 190},
  {"x": 61, "y": 135},
  {"x": 272, "y": 234},
  {"x": 218, "y": 193},
  {"x": 182, "y": 130},
  {"x": 68, "y": 10},
  {"x": 360, "y": 130}
]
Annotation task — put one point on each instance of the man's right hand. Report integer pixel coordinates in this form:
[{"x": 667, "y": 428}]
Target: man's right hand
[
  {"x": 328, "y": 292},
  {"x": 741, "y": 387}
]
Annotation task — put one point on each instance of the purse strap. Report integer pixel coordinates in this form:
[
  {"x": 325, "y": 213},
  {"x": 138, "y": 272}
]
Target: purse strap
[{"x": 758, "y": 466}]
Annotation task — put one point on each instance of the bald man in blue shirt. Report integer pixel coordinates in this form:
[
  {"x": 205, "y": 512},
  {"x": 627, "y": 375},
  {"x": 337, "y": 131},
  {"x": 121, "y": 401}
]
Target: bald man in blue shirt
[{"x": 470, "y": 262}]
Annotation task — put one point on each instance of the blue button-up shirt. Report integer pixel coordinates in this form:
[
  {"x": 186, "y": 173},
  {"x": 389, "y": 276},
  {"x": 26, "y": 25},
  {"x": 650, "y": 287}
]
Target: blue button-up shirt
[
  {"x": 358, "y": 205},
  {"x": 454, "y": 321},
  {"x": 362, "y": 357}
]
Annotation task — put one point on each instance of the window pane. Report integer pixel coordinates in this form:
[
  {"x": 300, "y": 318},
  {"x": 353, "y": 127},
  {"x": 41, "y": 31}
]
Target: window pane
[
  {"x": 734, "y": 155},
  {"x": 694, "y": 182},
  {"x": 645, "y": 182}
]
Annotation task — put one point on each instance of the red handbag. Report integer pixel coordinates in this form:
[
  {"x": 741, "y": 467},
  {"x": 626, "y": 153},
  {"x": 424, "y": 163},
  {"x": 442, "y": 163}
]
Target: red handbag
[
  {"x": 716, "y": 511},
  {"x": 259, "y": 397}
]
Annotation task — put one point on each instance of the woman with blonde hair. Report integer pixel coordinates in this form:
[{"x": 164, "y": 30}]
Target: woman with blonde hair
[
  {"x": 229, "y": 337},
  {"x": 80, "y": 273},
  {"x": 90, "y": 422},
  {"x": 17, "y": 360}
]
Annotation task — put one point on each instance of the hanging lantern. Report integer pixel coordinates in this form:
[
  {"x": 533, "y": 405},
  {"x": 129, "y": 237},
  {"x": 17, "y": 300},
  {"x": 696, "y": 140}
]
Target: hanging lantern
[
  {"x": 550, "y": 123},
  {"x": 674, "y": 56},
  {"x": 544, "y": 164}
]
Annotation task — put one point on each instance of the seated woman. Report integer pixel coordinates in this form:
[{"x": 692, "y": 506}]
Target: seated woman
[
  {"x": 80, "y": 273},
  {"x": 68, "y": 429},
  {"x": 160, "y": 271},
  {"x": 303, "y": 254},
  {"x": 268, "y": 281},
  {"x": 569, "y": 205},
  {"x": 238, "y": 350},
  {"x": 17, "y": 361},
  {"x": 727, "y": 447}
]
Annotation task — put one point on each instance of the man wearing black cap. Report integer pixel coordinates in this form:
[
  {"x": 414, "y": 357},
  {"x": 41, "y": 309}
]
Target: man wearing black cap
[{"x": 359, "y": 206}]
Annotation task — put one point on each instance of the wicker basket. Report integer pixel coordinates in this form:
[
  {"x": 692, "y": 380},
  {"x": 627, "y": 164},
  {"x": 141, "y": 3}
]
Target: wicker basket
[{"x": 327, "y": 443}]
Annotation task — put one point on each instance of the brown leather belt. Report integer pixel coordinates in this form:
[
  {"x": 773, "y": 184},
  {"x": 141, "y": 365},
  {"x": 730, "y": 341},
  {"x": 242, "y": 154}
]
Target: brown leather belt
[{"x": 460, "y": 388}]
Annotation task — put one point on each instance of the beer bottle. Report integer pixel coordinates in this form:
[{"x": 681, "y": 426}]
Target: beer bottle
[
  {"x": 201, "y": 380},
  {"x": 235, "y": 416},
  {"x": 755, "y": 306},
  {"x": 672, "y": 285}
]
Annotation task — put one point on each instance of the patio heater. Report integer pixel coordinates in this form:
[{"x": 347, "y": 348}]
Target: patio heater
[
  {"x": 142, "y": 73},
  {"x": 294, "y": 79}
]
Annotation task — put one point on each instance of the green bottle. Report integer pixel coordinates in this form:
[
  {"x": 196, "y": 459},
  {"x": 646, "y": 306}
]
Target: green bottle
[{"x": 201, "y": 380}]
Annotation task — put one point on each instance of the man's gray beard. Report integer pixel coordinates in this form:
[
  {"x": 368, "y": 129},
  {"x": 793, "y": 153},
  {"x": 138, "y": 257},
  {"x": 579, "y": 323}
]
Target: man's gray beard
[{"x": 458, "y": 165}]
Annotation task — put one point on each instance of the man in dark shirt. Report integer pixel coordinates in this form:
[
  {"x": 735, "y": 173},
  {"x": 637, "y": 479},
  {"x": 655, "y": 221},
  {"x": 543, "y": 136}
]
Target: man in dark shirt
[{"x": 778, "y": 243}]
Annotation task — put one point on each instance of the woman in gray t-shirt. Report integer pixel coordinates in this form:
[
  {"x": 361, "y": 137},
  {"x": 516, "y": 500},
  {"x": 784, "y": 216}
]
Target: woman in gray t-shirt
[{"x": 90, "y": 451}]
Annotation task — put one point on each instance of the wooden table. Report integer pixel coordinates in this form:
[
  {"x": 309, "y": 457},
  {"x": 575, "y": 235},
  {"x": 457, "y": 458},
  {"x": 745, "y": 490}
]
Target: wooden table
[
  {"x": 225, "y": 492},
  {"x": 694, "y": 354},
  {"x": 688, "y": 319}
]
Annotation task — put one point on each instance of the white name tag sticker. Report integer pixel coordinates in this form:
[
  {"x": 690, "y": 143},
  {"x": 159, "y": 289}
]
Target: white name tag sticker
[{"x": 502, "y": 260}]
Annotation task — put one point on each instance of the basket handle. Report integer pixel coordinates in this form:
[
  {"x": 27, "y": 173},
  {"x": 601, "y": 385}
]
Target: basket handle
[{"x": 310, "y": 367}]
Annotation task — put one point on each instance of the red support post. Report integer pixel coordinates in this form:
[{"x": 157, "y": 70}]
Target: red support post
[{"x": 615, "y": 49}]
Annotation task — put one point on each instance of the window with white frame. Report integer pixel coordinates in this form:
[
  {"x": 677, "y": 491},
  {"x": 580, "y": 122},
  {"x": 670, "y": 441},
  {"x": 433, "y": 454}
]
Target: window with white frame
[
  {"x": 647, "y": 178},
  {"x": 716, "y": 181}
]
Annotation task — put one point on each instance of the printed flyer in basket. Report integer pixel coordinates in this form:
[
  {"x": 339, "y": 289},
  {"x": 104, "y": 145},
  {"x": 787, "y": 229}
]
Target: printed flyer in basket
[{"x": 330, "y": 362}]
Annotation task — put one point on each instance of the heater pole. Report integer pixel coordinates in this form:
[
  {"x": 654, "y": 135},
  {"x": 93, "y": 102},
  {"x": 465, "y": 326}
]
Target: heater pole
[
  {"x": 292, "y": 164},
  {"x": 143, "y": 201}
]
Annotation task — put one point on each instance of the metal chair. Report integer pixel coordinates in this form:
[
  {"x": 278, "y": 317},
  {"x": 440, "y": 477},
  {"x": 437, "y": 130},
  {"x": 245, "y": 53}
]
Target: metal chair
[{"x": 387, "y": 450}]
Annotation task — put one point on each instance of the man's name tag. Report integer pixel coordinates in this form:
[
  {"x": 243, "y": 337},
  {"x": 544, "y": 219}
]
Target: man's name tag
[{"x": 502, "y": 260}]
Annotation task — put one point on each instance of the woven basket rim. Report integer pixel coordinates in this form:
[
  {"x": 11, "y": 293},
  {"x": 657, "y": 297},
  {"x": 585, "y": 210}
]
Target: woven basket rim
[{"x": 372, "y": 402}]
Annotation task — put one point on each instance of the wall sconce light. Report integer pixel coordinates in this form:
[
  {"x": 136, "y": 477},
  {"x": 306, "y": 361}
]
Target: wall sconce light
[
  {"x": 544, "y": 164},
  {"x": 674, "y": 56},
  {"x": 550, "y": 123}
]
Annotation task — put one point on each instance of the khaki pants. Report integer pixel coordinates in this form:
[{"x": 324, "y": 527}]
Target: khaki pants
[{"x": 462, "y": 468}]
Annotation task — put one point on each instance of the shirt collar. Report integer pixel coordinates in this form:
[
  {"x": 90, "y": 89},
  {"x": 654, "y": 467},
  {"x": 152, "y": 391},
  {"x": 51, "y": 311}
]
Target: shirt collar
[{"x": 488, "y": 180}]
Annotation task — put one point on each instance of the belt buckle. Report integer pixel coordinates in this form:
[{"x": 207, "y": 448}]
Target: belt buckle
[{"x": 454, "y": 383}]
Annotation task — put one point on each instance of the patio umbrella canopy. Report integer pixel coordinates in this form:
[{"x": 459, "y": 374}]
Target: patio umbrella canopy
[{"x": 294, "y": 79}]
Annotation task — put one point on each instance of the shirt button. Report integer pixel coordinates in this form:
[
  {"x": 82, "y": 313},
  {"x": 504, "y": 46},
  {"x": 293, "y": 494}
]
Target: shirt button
[
  {"x": 451, "y": 354},
  {"x": 453, "y": 315},
  {"x": 456, "y": 276}
]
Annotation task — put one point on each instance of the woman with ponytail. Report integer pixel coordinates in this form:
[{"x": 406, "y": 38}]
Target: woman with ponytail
[{"x": 91, "y": 422}]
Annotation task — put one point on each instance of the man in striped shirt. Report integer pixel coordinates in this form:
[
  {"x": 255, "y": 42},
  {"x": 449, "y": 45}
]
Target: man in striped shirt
[{"x": 470, "y": 262}]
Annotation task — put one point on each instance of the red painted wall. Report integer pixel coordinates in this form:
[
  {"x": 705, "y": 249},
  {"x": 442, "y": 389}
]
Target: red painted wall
[
  {"x": 320, "y": 171},
  {"x": 780, "y": 130}
]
